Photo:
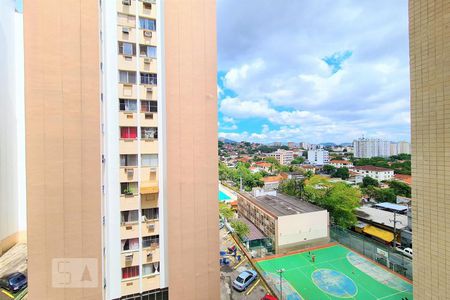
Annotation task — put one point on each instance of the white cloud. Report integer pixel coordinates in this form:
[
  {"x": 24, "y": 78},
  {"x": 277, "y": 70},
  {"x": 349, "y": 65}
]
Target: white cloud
[{"x": 276, "y": 68}]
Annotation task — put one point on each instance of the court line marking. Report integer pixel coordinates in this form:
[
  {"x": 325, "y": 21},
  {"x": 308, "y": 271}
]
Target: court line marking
[
  {"x": 7, "y": 294},
  {"x": 253, "y": 286}
]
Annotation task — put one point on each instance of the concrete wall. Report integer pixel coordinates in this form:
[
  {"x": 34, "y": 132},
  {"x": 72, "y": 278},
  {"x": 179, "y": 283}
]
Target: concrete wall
[
  {"x": 63, "y": 143},
  {"x": 190, "y": 57},
  {"x": 429, "y": 30},
  {"x": 302, "y": 228},
  {"x": 12, "y": 177}
]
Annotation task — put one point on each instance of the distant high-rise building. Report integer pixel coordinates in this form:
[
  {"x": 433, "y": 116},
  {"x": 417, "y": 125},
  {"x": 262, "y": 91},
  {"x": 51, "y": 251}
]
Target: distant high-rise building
[
  {"x": 367, "y": 148},
  {"x": 429, "y": 25},
  {"x": 403, "y": 148},
  {"x": 318, "y": 157},
  {"x": 121, "y": 134},
  {"x": 303, "y": 145},
  {"x": 394, "y": 149},
  {"x": 292, "y": 145}
]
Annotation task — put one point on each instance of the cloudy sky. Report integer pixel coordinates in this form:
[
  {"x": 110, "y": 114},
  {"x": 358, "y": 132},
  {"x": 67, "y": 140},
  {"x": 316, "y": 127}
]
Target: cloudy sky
[{"x": 315, "y": 71}]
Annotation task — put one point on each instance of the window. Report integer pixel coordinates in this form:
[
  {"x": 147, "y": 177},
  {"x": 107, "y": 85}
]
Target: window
[
  {"x": 149, "y": 160},
  {"x": 127, "y": 105},
  {"x": 127, "y": 49},
  {"x": 127, "y": 77},
  {"x": 148, "y": 24},
  {"x": 151, "y": 213},
  {"x": 130, "y": 272},
  {"x": 149, "y": 106},
  {"x": 130, "y": 244},
  {"x": 151, "y": 268},
  {"x": 148, "y": 241},
  {"x": 129, "y": 216},
  {"x": 128, "y": 188},
  {"x": 149, "y": 132},
  {"x": 128, "y": 132},
  {"x": 147, "y": 51},
  {"x": 149, "y": 78},
  {"x": 128, "y": 160}
]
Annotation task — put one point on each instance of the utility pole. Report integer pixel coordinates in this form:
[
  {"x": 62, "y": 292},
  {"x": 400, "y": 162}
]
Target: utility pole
[
  {"x": 281, "y": 271},
  {"x": 395, "y": 227},
  {"x": 240, "y": 183}
]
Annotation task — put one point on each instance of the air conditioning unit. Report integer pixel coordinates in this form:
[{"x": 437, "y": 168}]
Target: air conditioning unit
[
  {"x": 129, "y": 257},
  {"x": 149, "y": 255},
  {"x": 126, "y": 2},
  {"x": 149, "y": 1},
  {"x": 147, "y": 33},
  {"x": 126, "y": 30},
  {"x": 147, "y": 60},
  {"x": 130, "y": 172},
  {"x": 149, "y": 90},
  {"x": 151, "y": 226}
]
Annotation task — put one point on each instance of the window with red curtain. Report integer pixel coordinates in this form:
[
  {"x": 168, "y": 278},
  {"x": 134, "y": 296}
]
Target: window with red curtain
[
  {"x": 128, "y": 132},
  {"x": 130, "y": 272}
]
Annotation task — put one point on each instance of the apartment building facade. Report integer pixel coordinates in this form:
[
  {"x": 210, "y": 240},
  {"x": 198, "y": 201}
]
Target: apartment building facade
[
  {"x": 124, "y": 193},
  {"x": 318, "y": 157},
  {"x": 429, "y": 26},
  {"x": 367, "y": 148},
  {"x": 284, "y": 157}
]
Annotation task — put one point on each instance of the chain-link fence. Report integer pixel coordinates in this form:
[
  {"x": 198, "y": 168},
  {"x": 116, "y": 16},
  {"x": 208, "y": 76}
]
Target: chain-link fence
[{"x": 383, "y": 254}]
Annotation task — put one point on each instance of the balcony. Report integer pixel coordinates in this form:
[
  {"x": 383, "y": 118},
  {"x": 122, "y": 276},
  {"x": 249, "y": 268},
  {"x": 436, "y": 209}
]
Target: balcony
[
  {"x": 150, "y": 227},
  {"x": 148, "y": 64},
  {"x": 130, "y": 286},
  {"x": 149, "y": 146},
  {"x": 126, "y": 6},
  {"x": 147, "y": 8},
  {"x": 126, "y": 62},
  {"x": 149, "y": 201},
  {"x": 129, "y": 202},
  {"x": 129, "y": 258},
  {"x": 147, "y": 37},
  {"x": 129, "y": 230},
  {"x": 148, "y": 92},
  {"x": 128, "y": 174},
  {"x": 127, "y": 90}
]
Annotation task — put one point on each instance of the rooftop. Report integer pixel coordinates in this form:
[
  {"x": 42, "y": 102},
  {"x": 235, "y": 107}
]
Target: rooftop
[
  {"x": 372, "y": 168},
  {"x": 339, "y": 161},
  {"x": 405, "y": 178},
  {"x": 392, "y": 206},
  {"x": 272, "y": 178},
  {"x": 382, "y": 217},
  {"x": 283, "y": 205},
  {"x": 254, "y": 232}
]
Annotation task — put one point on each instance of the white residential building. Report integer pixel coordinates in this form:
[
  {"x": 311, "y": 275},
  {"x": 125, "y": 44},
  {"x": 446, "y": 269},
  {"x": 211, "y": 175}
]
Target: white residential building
[
  {"x": 377, "y": 173},
  {"x": 403, "y": 147},
  {"x": 367, "y": 148},
  {"x": 284, "y": 157},
  {"x": 318, "y": 157},
  {"x": 341, "y": 163}
]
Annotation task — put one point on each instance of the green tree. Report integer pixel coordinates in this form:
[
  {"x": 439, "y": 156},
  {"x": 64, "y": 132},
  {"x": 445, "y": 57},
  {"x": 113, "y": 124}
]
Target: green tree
[
  {"x": 293, "y": 187},
  {"x": 400, "y": 188},
  {"x": 329, "y": 169},
  {"x": 298, "y": 160},
  {"x": 381, "y": 195},
  {"x": 342, "y": 173},
  {"x": 369, "y": 181},
  {"x": 241, "y": 228},
  {"x": 226, "y": 211}
]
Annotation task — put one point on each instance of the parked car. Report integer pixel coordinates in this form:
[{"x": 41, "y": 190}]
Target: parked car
[
  {"x": 405, "y": 251},
  {"x": 269, "y": 297},
  {"x": 244, "y": 280},
  {"x": 14, "y": 282}
]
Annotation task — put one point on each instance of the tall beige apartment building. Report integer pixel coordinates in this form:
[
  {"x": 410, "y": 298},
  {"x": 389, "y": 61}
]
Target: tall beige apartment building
[
  {"x": 430, "y": 118},
  {"x": 121, "y": 108}
]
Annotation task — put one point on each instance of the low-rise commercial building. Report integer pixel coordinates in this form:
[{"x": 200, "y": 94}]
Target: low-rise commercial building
[
  {"x": 291, "y": 223},
  {"x": 341, "y": 163}
]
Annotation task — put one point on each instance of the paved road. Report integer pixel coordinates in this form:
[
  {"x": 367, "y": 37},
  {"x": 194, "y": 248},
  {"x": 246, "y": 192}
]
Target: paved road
[
  {"x": 228, "y": 273},
  {"x": 14, "y": 260}
]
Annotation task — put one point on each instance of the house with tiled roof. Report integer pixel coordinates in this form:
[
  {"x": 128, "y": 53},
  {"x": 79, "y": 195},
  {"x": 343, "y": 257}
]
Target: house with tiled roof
[{"x": 377, "y": 173}]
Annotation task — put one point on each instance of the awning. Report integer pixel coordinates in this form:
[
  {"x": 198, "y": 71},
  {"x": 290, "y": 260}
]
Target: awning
[
  {"x": 379, "y": 233},
  {"x": 149, "y": 189}
]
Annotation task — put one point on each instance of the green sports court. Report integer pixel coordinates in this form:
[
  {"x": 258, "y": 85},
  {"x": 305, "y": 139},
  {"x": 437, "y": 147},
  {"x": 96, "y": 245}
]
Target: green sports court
[{"x": 336, "y": 273}]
